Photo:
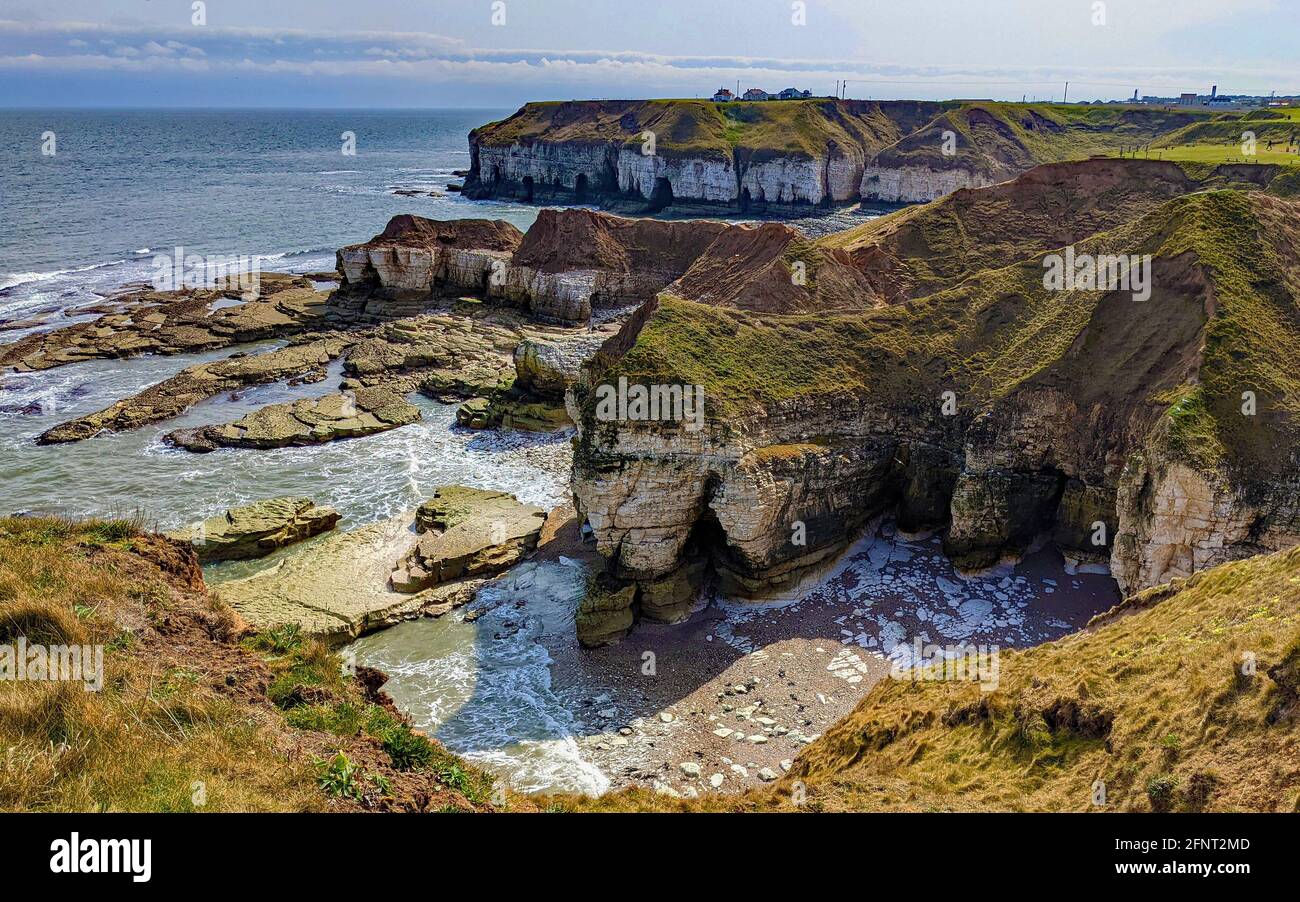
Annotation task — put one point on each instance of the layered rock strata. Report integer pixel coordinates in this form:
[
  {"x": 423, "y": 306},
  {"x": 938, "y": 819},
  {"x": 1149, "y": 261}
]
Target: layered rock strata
[
  {"x": 143, "y": 321},
  {"x": 783, "y": 156},
  {"x": 303, "y": 362},
  {"x": 310, "y": 421},
  {"x": 569, "y": 263},
  {"x": 255, "y": 530},
  {"x": 467, "y": 532}
]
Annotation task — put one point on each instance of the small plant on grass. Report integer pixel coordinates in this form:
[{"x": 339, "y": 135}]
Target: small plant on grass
[
  {"x": 407, "y": 749},
  {"x": 1160, "y": 792},
  {"x": 280, "y": 639},
  {"x": 338, "y": 777}
]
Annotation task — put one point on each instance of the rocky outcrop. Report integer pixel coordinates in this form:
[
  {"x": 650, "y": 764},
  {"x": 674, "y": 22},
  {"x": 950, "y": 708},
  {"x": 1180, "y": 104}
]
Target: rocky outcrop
[
  {"x": 310, "y": 421},
  {"x": 982, "y": 410},
  {"x": 572, "y": 261},
  {"x": 172, "y": 397},
  {"x": 606, "y": 613},
  {"x": 467, "y": 532},
  {"x": 569, "y": 263},
  {"x": 535, "y": 401},
  {"x": 336, "y": 588},
  {"x": 1175, "y": 520},
  {"x": 255, "y": 530},
  {"x": 548, "y": 368},
  {"x": 418, "y": 256},
  {"x": 144, "y": 321}
]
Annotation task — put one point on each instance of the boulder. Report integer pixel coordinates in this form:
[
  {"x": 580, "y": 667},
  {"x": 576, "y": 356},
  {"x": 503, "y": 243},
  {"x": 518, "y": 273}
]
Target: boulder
[
  {"x": 255, "y": 530},
  {"x": 467, "y": 532},
  {"x": 547, "y": 368},
  {"x": 474, "y": 413}
]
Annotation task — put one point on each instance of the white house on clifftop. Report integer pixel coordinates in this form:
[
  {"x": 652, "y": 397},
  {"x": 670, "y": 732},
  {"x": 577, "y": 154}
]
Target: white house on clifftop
[{"x": 725, "y": 95}]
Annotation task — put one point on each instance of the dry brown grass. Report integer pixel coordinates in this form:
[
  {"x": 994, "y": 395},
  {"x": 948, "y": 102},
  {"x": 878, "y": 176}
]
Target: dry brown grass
[{"x": 156, "y": 732}]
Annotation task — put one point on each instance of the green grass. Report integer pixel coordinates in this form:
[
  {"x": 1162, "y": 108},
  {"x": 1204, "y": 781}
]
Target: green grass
[{"x": 998, "y": 329}]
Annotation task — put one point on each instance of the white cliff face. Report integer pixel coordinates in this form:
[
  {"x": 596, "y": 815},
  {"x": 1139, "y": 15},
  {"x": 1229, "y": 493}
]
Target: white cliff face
[
  {"x": 564, "y": 296},
  {"x": 788, "y": 180},
  {"x": 642, "y": 511},
  {"x": 1174, "y": 520},
  {"x": 915, "y": 184},
  {"x": 756, "y": 481},
  {"x": 546, "y": 163},
  {"x": 841, "y": 177},
  {"x": 418, "y": 269},
  {"x": 692, "y": 178}
]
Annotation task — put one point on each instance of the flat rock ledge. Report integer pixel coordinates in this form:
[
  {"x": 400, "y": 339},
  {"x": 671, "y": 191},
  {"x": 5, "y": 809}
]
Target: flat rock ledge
[
  {"x": 310, "y": 421},
  {"x": 255, "y": 530},
  {"x": 336, "y": 589},
  {"x": 467, "y": 532}
]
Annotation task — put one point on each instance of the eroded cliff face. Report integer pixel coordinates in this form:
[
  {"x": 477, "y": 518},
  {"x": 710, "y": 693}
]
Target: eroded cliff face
[
  {"x": 1175, "y": 520},
  {"x": 569, "y": 263},
  {"x": 916, "y": 184},
  {"x": 628, "y": 178},
  {"x": 1005, "y": 414},
  {"x": 645, "y": 155}
]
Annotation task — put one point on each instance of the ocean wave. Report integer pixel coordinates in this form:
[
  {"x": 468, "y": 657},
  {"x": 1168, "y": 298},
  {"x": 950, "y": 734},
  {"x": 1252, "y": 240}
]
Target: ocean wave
[{"x": 14, "y": 279}]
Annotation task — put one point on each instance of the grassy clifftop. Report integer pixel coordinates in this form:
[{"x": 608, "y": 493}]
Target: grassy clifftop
[
  {"x": 708, "y": 129},
  {"x": 1223, "y": 319},
  {"x": 992, "y": 138},
  {"x": 194, "y": 712},
  {"x": 1184, "y": 698}
]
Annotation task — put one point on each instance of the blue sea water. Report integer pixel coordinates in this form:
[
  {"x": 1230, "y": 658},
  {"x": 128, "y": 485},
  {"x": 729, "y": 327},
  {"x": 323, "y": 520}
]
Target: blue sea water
[{"x": 124, "y": 185}]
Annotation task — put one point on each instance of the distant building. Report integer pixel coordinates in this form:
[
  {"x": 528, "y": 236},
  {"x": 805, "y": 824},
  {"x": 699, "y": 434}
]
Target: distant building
[
  {"x": 794, "y": 94},
  {"x": 723, "y": 96},
  {"x": 1187, "y": 99},
  {"x": 756, "y": 94}
]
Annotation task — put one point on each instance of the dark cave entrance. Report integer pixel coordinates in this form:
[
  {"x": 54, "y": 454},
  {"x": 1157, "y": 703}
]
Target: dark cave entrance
[
  {"x": 662, "y": 196},
  {"x": 528, "y": 189},
  {"x": 580, "y": 188}
]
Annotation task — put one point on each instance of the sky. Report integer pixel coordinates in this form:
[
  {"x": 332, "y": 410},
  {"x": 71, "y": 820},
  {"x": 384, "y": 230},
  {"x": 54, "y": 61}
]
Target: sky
[{"x": 502, "y": 53}]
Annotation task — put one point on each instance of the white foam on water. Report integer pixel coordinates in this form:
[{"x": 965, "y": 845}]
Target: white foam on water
[{"x": 484, "y": 688}]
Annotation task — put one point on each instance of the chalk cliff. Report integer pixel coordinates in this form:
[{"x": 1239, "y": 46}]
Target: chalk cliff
[{"x": 780, "y": 156}]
